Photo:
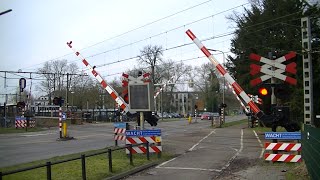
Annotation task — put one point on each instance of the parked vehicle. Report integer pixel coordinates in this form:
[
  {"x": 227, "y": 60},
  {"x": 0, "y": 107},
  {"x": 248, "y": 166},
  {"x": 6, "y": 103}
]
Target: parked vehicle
[{"x": 209, "y": 115}]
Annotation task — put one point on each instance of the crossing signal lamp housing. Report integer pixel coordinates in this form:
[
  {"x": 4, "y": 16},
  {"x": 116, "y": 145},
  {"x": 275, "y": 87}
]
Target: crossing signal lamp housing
[{"x": 264, "y": 91}]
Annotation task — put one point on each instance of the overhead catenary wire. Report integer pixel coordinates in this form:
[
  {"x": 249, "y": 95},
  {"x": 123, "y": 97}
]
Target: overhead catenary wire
[{"x": 132, "y": 30}]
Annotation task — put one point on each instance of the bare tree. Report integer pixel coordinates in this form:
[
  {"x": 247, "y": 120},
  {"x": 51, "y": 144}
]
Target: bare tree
[{"x": 151, "y": 56}]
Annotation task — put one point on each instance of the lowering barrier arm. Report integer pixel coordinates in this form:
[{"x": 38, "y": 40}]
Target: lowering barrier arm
[
  {"x": 103, "y": 83},
  {"x": 267, "y": 120}
]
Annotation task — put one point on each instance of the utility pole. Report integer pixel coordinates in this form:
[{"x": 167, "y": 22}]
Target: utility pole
[{"x": 307, "y": 71}]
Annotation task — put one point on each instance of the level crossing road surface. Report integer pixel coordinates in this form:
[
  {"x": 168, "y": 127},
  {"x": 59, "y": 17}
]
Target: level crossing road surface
[{"x": 26, "y": 147}]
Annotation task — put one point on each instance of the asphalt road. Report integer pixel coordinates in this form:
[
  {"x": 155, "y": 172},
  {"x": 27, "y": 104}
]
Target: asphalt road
[{"x": 26, "y": 147}]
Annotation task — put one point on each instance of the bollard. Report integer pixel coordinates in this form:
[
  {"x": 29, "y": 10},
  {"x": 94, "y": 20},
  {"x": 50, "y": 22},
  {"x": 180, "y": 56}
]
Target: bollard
[
  {"x": 48, "y": 170},
  {"x": 110, "y": 160},
  {"x": 83, "y": 163},
  {"x": 130, "y": 154},
  {"x": 148, "y": 153},
  {"x": 189, "y": 119}
]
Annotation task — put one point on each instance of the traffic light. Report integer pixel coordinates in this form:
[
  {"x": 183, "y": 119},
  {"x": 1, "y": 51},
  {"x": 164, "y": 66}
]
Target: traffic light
[
  {"x": 281, "y": 91},
  {"x": 223, "y": 105},
  {"x": 149, "y": 117},
  {"x": 263, "y": 91}
]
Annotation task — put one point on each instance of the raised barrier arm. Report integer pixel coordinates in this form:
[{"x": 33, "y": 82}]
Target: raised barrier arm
[
  {"x": 103, "y": 83},
  {"x": 274, "y": 120}
]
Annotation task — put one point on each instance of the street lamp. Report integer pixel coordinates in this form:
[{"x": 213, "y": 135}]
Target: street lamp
[{"x": 224, "y": 80}]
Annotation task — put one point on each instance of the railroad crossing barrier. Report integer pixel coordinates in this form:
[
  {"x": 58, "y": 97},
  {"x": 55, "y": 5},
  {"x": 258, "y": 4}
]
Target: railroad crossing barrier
[
  {"x": 22, "y": 122},
  {"x": 119, "y": 132},
  {"x": 152, "y": 137},
  {"x": 283, "y": 147}
]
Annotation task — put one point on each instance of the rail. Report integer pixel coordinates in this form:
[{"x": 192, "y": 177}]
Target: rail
[{"x": 109, "y": 151}]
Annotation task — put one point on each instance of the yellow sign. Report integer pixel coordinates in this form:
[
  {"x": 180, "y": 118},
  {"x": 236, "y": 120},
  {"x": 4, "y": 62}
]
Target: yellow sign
[{"x": 158, "y": 139}]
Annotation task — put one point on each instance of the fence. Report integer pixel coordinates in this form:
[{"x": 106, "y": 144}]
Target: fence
[
  {"x": 310, "y": 151},
  {"x": 49, "y": 164}
]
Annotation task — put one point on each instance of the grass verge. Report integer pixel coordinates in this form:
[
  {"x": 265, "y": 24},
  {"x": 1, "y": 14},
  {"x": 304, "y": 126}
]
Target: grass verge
[
  {"x": 97, "y": 167},
  {"x": 19, "y": 130},
  {"x": 228, "y": 124}
]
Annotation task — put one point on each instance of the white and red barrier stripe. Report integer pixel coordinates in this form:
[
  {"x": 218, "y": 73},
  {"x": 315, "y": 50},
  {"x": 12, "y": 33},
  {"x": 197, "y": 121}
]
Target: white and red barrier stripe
[
  {"x": 143, "y": 150},
  {"x": 239, "y": 91},
  {"x": 240, "y": 101},
  {"x": 138, "y": 140},
  {"x": 283, "y": 146},
  {"x": 164, "y": 86},
  {"x": 119, "y": 134},
  {"x": 103, "y": 83},
  {"x": 282, "y": 157},
  {"x": 119, "y": 137},
  {"x": 154, "y": 144},
  {"x": 23, "y": 123},
  {"x": 119, "y": 130}
]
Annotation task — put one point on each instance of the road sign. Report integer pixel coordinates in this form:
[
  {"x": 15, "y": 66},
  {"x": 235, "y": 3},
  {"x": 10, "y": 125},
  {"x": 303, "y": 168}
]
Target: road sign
[
  {"x": 279, "y": 68},
  {"x": 153, "y": 132},
  {"x": 64, "y": 116},
  {"x": 120, "y": 125},
  {"x": 282, "y": 135}
]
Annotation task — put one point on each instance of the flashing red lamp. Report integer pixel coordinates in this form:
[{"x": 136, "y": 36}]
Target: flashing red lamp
[{"x": 263, "y": 91}]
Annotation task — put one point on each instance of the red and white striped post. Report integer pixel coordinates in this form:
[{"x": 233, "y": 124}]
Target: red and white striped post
[
  {"x": 103, "y": 83},
  {"x": 239, "y": 91}
]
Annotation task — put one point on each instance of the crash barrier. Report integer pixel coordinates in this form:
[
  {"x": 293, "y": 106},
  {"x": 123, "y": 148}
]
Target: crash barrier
[
  {"x": 310, "y": 151},
  {"x": 83, "y": 157},
  {"x": 280, "y": 148},
  {"x": 22, "y": 122},
  {"x": 153, "y": 137},
  {"x": 119, "y": 132}
]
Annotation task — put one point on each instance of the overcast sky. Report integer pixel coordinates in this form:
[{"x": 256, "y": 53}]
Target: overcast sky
[{"x": 36, "y": 31}]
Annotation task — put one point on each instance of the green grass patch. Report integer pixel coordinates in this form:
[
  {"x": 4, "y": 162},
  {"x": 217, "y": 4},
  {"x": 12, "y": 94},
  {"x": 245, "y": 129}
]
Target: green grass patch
[
  {"x": 228, "y": 124},
  {"x": 97, "y": 167},
  {"x": 18, "y": 130}
]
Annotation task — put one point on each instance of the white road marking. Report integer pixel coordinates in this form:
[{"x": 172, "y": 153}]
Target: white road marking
[
  {"x": 196, "y": 169},
  {"x": 262, "y": 149},
  {"x": 191, "y": 149},
  {"x": 31, "y": 135},
  {"x": 238, "y": 152}
]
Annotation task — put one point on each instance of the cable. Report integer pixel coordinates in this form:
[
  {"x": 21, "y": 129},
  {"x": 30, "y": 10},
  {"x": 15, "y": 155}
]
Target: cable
[{"x": 134, "y": 29}]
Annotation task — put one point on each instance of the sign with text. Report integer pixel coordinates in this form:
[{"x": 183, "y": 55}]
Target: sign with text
[
  {"x": 120, "y": 125},
  {"x": 282, "y": 135},
  {"x": 134, "y": 133}
]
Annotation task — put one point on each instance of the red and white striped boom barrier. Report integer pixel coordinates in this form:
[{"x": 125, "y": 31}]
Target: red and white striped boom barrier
[
  {"x": 107, "y": 87},
  {"x": 288, "y": 147},
  {"x": 163, "y": 86},
  {"x": 239, "y": 91}
]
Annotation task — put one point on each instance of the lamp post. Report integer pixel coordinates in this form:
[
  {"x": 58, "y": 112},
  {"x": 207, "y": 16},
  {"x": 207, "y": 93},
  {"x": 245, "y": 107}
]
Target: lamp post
[{"x": 224, "y": 80}]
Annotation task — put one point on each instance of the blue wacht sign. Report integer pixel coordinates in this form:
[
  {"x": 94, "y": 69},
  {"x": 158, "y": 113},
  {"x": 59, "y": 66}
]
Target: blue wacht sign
[
  {"x": 282, "y": 135},
  {"x": 134, "y": 133},
  {"x": 119, "y": 125}
]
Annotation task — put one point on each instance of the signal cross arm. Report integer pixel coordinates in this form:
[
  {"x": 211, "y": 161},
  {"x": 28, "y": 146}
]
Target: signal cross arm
[{"x": 277, "y": 73}]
